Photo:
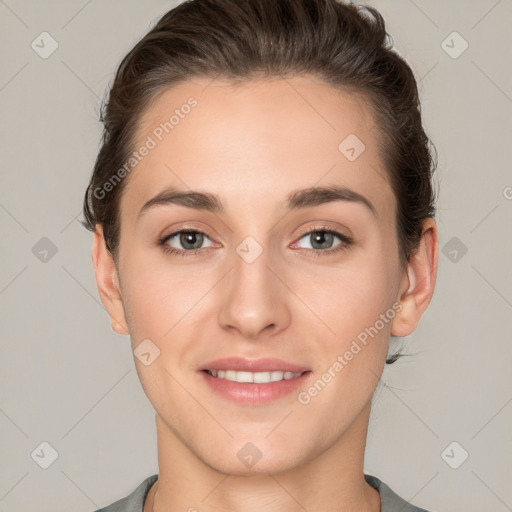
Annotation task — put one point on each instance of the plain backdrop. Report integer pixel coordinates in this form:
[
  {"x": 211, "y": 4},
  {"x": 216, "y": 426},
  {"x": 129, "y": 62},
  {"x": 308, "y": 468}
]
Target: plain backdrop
[{"x": 68, "y": 380}]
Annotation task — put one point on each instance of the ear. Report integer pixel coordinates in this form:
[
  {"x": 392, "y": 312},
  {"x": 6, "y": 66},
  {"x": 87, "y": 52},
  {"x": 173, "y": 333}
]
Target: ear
[
  {"x": 107, "y": 281},
  {"x": 418, "y": 282}
]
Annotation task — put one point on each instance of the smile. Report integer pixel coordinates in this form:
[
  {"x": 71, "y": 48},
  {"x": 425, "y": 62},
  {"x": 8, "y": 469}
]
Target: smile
[{"x": 253, "y": 377}]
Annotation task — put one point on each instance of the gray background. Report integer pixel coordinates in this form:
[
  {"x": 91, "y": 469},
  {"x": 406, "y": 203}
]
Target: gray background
[{"x": 70, "y": 381}]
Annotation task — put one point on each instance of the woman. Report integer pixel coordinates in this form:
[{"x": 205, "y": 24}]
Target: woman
[{"x": 262, "y": 211}]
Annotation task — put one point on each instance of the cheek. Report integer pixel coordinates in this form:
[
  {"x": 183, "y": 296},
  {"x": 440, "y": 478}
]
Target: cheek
[
  {"x": 350, "y": 297},
  {"x": 157, "y": 297},
  {"x": 356, "y": 303},
  {"x": 340, "y": 297},
  {"x": 146, "y": 307}
]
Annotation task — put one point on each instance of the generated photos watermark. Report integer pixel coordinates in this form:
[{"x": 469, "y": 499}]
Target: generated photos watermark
[
  {"x": 157, "y": 135},
  {"x": 358, "y": 343}
]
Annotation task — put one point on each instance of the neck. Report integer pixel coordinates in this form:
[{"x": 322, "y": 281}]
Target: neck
[{"x": 332, "y": 482}]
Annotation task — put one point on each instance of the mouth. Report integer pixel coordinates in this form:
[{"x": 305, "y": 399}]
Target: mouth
[
  {"x": 253, "y": 382},
  {"x": 253, "y": 377}
]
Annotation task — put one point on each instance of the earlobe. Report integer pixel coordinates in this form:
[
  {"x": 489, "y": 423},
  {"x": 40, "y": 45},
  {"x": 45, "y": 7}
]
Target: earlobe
[
  {"x": 418, "y": 282},
  {"x": 107, "y": 280}
]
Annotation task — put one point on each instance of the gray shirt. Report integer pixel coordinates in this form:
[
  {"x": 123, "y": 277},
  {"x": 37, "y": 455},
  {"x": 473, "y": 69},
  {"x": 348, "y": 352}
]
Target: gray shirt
[{"x": 390, "y": 502}]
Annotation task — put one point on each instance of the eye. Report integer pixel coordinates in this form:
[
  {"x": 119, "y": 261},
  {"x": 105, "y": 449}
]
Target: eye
[
  {"x": 190, "y": 240},
  {"x": 323, "y": 240}
]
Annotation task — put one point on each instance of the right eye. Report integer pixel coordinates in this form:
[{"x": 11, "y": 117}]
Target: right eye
[{"x": 190, "y": 240}]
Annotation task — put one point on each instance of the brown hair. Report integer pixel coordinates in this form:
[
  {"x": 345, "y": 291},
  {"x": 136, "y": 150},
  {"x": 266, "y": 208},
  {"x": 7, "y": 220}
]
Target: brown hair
[{"x": 342, "y": 44}]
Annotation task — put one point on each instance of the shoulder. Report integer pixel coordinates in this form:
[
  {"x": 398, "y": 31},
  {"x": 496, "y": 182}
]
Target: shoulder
[
  {"x": 390, "y": 501},
  {"x": 134, "y": 502}
]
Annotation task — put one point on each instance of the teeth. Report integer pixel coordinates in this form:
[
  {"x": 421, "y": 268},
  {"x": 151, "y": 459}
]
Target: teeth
[{"x": 257, "y": 377}]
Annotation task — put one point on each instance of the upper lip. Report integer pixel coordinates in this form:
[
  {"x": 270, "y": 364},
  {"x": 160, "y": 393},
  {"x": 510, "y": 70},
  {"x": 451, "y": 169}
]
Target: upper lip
[{"x": 253, "y": 365}]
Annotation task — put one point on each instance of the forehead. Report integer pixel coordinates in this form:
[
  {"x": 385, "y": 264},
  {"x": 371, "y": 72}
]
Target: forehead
[{"x": 259, "y": 139}]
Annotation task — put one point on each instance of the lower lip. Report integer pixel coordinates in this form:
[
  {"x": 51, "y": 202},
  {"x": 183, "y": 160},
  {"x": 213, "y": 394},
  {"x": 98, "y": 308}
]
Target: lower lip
[{"x": 251, "y": 393}]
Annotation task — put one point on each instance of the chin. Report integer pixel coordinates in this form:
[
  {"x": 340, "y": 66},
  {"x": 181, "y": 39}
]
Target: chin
[
  {"x": 264, "y": 466},
  {"x": 253, "y": 456}
]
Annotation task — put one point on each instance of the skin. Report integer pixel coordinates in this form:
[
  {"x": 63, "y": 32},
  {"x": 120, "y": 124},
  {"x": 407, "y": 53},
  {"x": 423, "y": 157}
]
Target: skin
[{"x": 252, "y": 145}]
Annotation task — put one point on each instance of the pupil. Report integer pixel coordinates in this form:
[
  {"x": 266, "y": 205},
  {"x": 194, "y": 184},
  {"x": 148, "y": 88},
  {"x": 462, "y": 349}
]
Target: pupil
[
  {"x": 188, "y": 238},
  {"x": 320, "y": 236}
]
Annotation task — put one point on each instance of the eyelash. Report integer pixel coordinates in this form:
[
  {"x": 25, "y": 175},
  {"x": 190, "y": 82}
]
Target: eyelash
[{"x": 345, "y": 240}]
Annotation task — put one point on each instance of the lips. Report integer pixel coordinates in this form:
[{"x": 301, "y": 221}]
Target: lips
[
  {"x": 253, "y": 381},
  {"x": 241, "y": 364}
]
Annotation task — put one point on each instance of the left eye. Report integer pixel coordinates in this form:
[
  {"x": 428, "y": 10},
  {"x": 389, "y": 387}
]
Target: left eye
[{"x": 323, "y": 239}]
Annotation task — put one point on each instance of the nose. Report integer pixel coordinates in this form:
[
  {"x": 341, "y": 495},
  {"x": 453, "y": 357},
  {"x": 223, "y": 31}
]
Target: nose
[{"x": 254, "y": 298}]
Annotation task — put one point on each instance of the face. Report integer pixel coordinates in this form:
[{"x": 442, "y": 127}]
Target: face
[{"x": 261, "y": 275}]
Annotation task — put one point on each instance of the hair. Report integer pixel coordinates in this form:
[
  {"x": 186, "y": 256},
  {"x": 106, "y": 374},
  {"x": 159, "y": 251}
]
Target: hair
[{"x": 343, "y": 45}]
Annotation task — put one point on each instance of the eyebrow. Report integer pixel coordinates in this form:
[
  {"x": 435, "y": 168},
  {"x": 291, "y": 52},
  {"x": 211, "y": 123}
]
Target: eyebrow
[{"x": 299, "y": 199}]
